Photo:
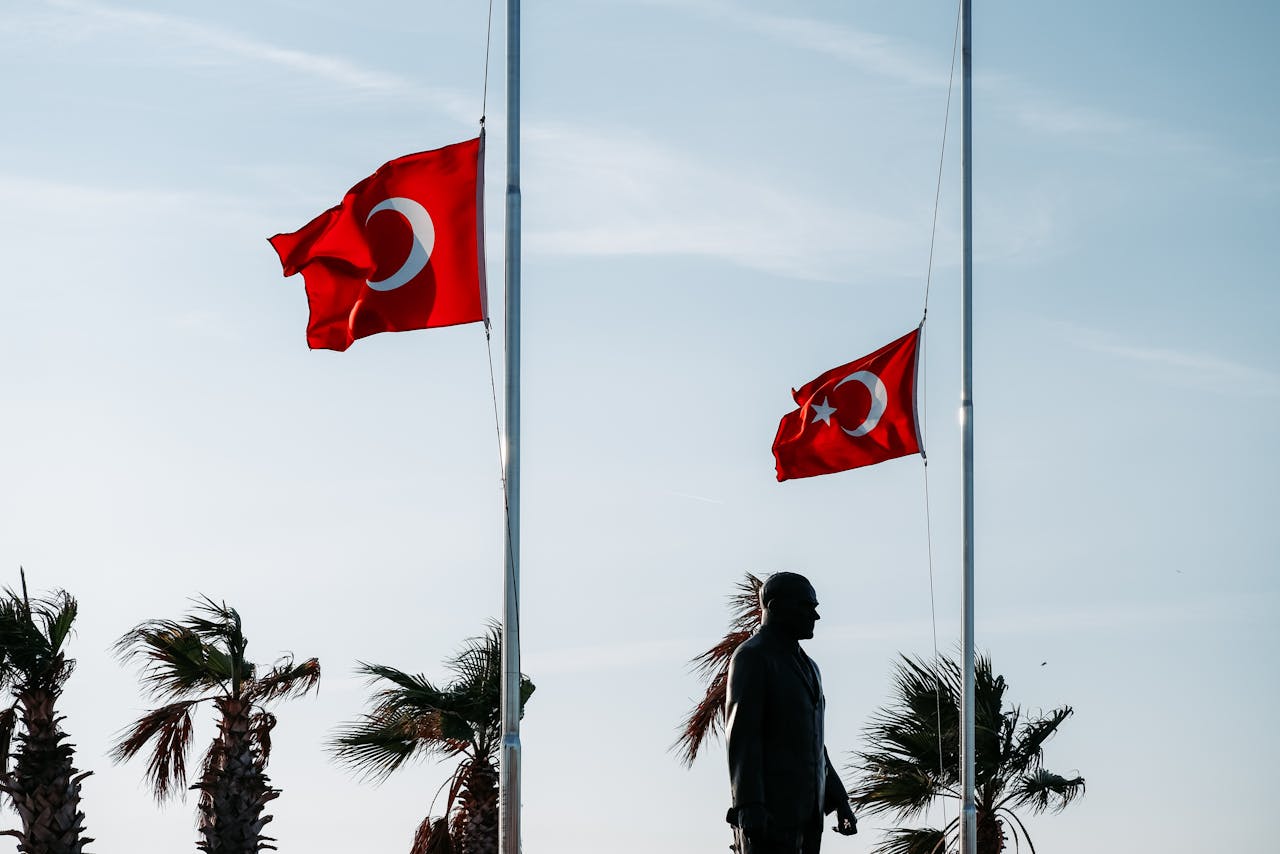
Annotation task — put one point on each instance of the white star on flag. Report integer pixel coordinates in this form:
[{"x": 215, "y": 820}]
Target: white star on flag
[{"x": 822, "y": 412}]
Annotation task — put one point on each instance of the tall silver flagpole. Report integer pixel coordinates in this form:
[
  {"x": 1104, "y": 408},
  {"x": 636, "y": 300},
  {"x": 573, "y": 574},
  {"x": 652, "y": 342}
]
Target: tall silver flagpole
[
  {"x": 509, "y": 767},
  {"x": 968, "y": 809}
]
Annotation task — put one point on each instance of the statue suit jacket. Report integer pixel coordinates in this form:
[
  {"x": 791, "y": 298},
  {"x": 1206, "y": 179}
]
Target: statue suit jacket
[{"x": 777, "y": 755}]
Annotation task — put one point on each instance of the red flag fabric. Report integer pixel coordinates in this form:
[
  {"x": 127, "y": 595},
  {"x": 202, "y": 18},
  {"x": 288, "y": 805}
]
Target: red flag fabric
[
  {"x": 854, "y": 415},
  {"x": 403, "y": 250}
]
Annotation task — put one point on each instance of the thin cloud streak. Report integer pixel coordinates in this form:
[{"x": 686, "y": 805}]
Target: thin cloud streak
[
  {"x": 1207, "y": 370},
  {"x": 596, "y": 192},
  {"x": 331, "y": 70},
  {"x": 102, "y": 209},
  {"x": 872, "y": 52},
  {"x": 48, "y": 195},
  {"x": 607, "y": 193},
  {"x": 901, "y": 63}
]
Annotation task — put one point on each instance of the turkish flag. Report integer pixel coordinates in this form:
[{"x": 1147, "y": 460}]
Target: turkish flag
[
  {"x": 854, "y": 415},
  {"x": 403, "y": 250}
]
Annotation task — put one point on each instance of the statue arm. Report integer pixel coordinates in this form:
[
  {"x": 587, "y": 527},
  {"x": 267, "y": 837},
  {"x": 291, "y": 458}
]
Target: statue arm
[
  {"x": 835, "y": 787},
  {"x": 744, "y": 731},
  {"x": 837, "y": 801}
]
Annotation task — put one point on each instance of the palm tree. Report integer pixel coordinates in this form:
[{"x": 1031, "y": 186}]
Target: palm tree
[
  {"x": 411, "y": 717},
  {"x": 913, "y": 758},
  {"x": 43, "y": 784},
  {"x": 706, "y": 718},
  {"x": 201, "y": 659}
]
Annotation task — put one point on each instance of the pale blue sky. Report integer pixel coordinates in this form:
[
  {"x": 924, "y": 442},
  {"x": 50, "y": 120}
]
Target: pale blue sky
[{"x": 722, "y": 200}]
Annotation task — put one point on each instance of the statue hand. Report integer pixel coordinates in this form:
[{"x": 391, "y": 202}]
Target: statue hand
[{"x": 846, "y": 822}]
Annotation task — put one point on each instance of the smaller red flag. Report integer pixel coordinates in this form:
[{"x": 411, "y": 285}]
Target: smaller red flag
[
  {"x": 854, "y": 415},
  {"x": 403, "y": 250}
]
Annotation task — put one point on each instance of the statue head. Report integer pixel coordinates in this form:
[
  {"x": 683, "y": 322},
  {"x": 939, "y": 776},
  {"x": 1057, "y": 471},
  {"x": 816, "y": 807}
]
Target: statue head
[{"x": 790, "y": 604}]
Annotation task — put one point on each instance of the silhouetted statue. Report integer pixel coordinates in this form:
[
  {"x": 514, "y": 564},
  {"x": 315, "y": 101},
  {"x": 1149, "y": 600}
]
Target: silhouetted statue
[{"x": 779, "y": 772}]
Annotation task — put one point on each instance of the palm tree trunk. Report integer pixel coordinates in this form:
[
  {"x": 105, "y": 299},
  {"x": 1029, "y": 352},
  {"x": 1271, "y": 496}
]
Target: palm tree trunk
[
  {"x": 45, "y": 785},
  {"x": 234, "y": 787},
  {"x": 991, "y": 838},
  {"x": 475, "y": 822}
]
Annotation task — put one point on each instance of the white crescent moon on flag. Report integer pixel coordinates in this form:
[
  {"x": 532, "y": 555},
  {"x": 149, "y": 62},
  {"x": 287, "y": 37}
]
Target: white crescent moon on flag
[
  {"x": 879, "y": 401},
  {"x": 424, "y": 240}
]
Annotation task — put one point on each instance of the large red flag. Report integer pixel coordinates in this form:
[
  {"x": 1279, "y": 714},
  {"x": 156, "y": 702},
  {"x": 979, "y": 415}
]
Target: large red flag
[
  {"x": 403, "y": 250},
  {"x": 854, "y": 415}
]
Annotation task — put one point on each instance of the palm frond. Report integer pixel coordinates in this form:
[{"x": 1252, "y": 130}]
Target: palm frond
[
  {"x": 745, "y": 610},
  {"x": 175, "y": 661},
  {"x": 912, "y": 743},
  {"x": 414, "y": 717},
  {"x": 1018, "y": 828},
  {"x": 261, "y": 723},
  {"x": 1045, "y": 791},
  {"x": 170, "y": 728},
  {"x": 989, "y": 724},
  {"x": 212, "y": 762},
  {"x": 217, "y": 622},
  {"x": 911, "y": 755},
  {"x": 432, "y": 837},
  {"x": 220, "y": 628},
  {"x": 58, "y": 613},
  {"x": 905, "y": 840},
  {"x": 478, "y": 659},
  {"x": 706, "y": 719},
  {"x": 285, "y": 680},
  {"x": 885, "y": 783},
  {"x": 205, "y": 650},
  {"x": 415, "y": 689},
  {"x": 33, "y": 633},
  {"x": 377, "y": 744},
  {"x": 473, "y": 700},
  {"x": 470, "y": 705},
  {"x": 1026, "y": 754}
]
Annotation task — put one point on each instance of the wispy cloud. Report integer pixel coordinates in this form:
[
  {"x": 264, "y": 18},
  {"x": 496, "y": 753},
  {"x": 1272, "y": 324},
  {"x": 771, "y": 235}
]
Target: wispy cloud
[
  {"x": 872, "y": 52},
  {"x": 1041, "y": 115},
  {"x": 99, "y": 208},
  {"x": 600, "y": 192},
  {"x": 45, "y": 195},
  {"x": 905, "y": 63},
  {"x": 614, "y": 193},
  {"x": 1206, "y": 370},
  {"x": 216, "y": 44}
]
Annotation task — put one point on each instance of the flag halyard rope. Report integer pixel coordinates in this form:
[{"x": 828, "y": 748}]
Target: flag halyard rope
[
  {"x": 502, "y": 467},
  {"x": 937, "y": 193},
  {"x": 484, "y": 96},
  {"x": 928, "y": 281}
]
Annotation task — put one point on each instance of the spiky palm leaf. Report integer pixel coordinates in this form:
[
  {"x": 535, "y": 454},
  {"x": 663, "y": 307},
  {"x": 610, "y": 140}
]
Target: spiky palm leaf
[
  {"x": 924, "y": 840},
  {"x": 43, "y": 783},
  {"x": 1045, "y": 791},
  {"x": 432, "y": 837},
  {"x": 201, "y": 659},
  {"x": 706, "y": 719},
  {"x": 413, "y": 717},
  {"x": 169, "y": 729},
  {"x": 911, "y": 757}
]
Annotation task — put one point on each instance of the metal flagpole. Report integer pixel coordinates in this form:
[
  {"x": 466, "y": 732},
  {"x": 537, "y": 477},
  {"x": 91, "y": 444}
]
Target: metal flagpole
[
  {"x": 509, "y": 767},
  {"x": 968, "y": 809}
]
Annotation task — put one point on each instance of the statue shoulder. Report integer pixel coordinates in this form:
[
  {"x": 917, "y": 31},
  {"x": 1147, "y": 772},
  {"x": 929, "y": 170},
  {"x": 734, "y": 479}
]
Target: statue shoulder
[{"x": 752, "y": 650}]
